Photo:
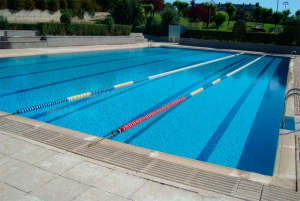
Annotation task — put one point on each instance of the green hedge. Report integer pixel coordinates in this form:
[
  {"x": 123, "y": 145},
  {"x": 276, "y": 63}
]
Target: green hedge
[
  {"x": 208, "y": 35},
  {"x": 122, "y": 30},
  {"x": 82, "y": 29},
  {"x": 249, "y": 37},
  {"x": 22, "y": 26}
]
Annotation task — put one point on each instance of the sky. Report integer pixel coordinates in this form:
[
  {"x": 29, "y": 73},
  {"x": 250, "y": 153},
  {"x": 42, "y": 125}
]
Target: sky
[{"x": 294, "y": 5}]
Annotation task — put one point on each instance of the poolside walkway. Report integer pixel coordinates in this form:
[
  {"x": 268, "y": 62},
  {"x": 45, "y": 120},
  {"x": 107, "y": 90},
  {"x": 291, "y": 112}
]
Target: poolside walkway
[
  {"x": 34, "y": 171},
  {"x": 35, "y": 167}
]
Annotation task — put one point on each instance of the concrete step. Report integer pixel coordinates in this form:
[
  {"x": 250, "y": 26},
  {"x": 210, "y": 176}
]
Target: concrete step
[
  {"x": 142, "y": 40},
  {"x": 21, "y": 33},
  {"x": 23, "y": 44},
  {"x": 17, "y": 38},
  {"x": 136, "y": 34}
]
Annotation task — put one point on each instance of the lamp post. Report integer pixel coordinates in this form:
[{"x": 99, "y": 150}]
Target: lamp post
[
  {"x": 277, "y": 6},
  {"x": 285, "y": 3},
  {"x": 211, "y": 1}
]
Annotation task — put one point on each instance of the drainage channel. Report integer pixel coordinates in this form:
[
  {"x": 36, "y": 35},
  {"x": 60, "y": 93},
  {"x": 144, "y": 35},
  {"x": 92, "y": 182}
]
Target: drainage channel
[{"x": 194, "y": 177}]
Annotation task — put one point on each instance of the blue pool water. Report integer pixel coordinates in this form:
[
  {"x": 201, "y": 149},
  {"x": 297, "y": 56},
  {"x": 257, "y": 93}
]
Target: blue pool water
[{"x": 234, "y": 123}]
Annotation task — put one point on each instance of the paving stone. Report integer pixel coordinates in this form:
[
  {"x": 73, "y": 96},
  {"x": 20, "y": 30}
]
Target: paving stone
[
  {"x": 12, "y": 145},
  {"x": 159, "y": 192},
  {"x": 94, "y": 194},
  {"x": 10, "y": 165},
  {"x": 58, "y": 163},
  {"x": 9, "y": 193},
  {"x": 29, "y": 197},
  {"x": 29, "y": 178},
  {"x": 60, "y": 188},
  {"x": 31, "y": 154},
  {"x": 120, "y": 183},
  {"x": 87, "y": 173},
  {"x": 4, "y": 137}
]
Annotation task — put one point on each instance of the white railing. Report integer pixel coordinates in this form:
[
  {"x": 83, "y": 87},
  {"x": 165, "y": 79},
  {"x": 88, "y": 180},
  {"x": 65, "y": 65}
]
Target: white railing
[{"x": 151, "y": 43}]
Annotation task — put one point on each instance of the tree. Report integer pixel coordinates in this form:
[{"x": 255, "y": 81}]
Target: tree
[
  {"x": 198, "y": 13},
  {"x": 181, "y": 6},
  {"x": 29, "y": 5},
  {"x": 292, "y": 32},
  {"x": 41, "y": 4},
  {"x": 88, "y": 5},
  {"x": 148, "y": 8},
  {"x": 3, "y": 4},
  {"x": 285, "y": 17},
  {"x": 106, "y": 5},
  {"x": 230, "y": 10},
  {"x": 128, "y": 12},
  {"x": 220, "y": 18},
  {"x": 266, "y": 15},
  {"x": 193, "y": 3},
  {"x": 169, "y": 17},
  {"x": 158, "y": 4},
  {"x": 209, "y": 12},
  {"x": 239, "y": 30},
  {"x": 247, "y": 16},
  {"x": 276, "y": 17},
  {"x": 257, "y": 12},
  {"x": 16, "y": 4},
  {"x": 53, "y": 5},
  {"x": 297, "y": 13},
  {"x": 63, "y": 4},
  {"x": 75, "y": 6}
]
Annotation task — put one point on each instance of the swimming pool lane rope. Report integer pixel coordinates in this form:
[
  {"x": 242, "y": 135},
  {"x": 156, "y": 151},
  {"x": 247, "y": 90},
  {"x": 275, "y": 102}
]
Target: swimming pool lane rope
[
  {"x": 117, "y": 86},
  {"x": 180, "y": 100}
]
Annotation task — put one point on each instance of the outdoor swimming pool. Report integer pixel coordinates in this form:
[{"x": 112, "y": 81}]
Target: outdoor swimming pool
[{"x": 234, "y": 123}]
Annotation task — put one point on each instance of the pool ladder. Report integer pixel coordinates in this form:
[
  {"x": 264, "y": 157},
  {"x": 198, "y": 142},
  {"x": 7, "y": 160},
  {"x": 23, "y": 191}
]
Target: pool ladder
[
  {"x": 290, "y": 93},
  {"x": 151, "y": 43},
  {"x": 293, "y": 54}
]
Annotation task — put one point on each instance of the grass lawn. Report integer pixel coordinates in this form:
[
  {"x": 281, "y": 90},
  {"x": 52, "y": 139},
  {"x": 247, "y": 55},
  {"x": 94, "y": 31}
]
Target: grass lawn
[{"x": 225, "y": 26}]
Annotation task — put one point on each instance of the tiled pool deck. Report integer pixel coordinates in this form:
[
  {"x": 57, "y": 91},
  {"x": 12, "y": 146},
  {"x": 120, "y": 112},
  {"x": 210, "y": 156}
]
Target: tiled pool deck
[{"x": 39, "y": 161}]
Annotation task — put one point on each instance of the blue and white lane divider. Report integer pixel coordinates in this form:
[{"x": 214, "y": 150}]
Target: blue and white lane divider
[
  {"x": 178, "y": 101},
  {"x": 118, "y": 86}
]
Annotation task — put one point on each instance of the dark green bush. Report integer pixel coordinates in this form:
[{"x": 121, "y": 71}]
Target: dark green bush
[
  {"x": 20, "y": 26},
  {"x": 66, "y": 16},
  {"x": 52, "y": 28},
  {"x": 248, "y": 37},
  {"x": 239, "y": 30},
  {"x": 153, "y": 27},
  {"x": 85, "y": 29},
  {"x": 138, "y": 29},
  {"x": 122, "y": 30},
  {"x": 3, "y": 23},
  {"x": 208, "y": 35}
]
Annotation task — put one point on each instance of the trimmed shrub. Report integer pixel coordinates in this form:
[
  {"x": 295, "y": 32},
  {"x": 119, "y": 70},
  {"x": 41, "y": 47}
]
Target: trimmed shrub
[
  {"x": 3, "y": 22},
  {"x": 21, "y": 26},
  {"x": 66, "y": 16},
  {"x": 53, "y": 28},
  {"x": 122, "y": 30},
  {"x": 239, "y": 30},
  {"x": 208, "y": 35}
]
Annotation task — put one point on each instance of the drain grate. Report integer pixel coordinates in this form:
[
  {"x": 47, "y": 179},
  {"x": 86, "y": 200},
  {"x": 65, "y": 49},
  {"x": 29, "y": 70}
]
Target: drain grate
[
  {"x": 16, "y": 128},
  {"x": 42, "y": 135},
  {"x": 223, "y": 184},
  {"x": 248, "y": 190},
  {"x": 215, "y": 182},
  {"x": 5, "y": 122},
  {"x": 275, "y": 193}
]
